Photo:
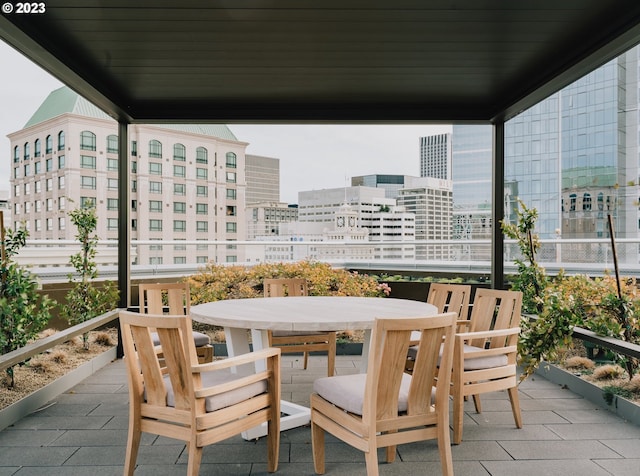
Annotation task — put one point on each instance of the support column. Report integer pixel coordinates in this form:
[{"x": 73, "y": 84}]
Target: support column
[
  {"x": 124, "y": 223},
  {"x": 497, "y": 238}
]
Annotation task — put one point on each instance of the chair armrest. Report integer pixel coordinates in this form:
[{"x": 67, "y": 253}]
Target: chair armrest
[
  {"x": 237, "y": 360},
  {"x": 487, "y": 334}
]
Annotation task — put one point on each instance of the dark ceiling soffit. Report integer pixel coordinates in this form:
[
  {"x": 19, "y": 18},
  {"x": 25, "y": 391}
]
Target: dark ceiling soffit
[
  {"x": 609, "y": 48},
  {"x": 28, "y": 42}
]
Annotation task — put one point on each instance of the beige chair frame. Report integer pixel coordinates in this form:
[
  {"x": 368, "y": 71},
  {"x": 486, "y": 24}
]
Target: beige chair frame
[
  {"x": 296, "y": 342},
  {"x": 381, "y": 424},
  {"x": 178, "y": 301},
  {"x": 188, "y": 419},
  {"x": 493, "y": 332}
]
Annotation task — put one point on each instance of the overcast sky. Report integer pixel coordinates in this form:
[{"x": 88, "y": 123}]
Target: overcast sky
[{"x": 311, "y": 157}]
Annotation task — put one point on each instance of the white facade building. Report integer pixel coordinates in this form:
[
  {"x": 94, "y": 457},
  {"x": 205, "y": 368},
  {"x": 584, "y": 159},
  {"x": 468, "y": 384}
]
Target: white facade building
[{"x": 187, "y": 182}]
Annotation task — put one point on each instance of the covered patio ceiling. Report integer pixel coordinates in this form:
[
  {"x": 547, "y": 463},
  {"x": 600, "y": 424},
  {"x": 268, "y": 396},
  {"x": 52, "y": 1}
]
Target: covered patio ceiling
[{"x": 359, "y": 61}]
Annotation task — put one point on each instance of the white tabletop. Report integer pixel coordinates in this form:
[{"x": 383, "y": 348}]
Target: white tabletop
[{"x": 307, "y": 313}]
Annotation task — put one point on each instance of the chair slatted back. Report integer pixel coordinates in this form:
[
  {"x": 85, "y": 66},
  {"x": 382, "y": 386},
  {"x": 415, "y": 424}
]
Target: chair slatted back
[
  {"x": 165, "y": 298},
  {"x": 450, "y": 298},
  {"x": 390, "y": 340},
  {"x": 495, "y": 309},
  {"x": 174, "y": 357},
  {"x": 280, "y": 287}
]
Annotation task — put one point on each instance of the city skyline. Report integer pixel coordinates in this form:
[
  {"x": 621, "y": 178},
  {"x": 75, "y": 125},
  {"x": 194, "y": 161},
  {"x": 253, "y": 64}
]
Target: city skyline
[{"x": 312, "y": 157}]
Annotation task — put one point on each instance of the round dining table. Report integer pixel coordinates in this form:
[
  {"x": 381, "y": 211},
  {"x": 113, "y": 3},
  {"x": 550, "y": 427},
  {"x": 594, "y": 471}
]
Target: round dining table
[{"x": 299, "y": 313}]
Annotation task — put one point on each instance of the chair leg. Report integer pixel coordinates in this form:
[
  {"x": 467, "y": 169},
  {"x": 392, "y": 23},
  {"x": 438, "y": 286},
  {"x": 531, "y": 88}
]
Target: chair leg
[
  {"x": 390, "y": 453},
  {"x": 458, "y": 414},
  {"x": 331, "y": 356},
  {"x": 133, "y": 444},
  {"x": 317, "y": 445},
  {"x": 273, "y": 444},
  {"x": 515, "y": 406},
  {"x": 444, "y": 447},
  {"x": 371, "y": 460},
  {"x": 195, "y": 458},
  {"x": 306, "y": 360},
  {"x": 477, "y": 403}
]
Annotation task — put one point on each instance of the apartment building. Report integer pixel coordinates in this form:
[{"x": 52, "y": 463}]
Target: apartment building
[{"x": 187, "y": 182}]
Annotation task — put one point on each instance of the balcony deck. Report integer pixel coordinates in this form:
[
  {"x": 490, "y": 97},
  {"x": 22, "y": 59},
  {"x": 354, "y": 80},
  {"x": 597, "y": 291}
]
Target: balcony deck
[{"x": 84, "y": 431}]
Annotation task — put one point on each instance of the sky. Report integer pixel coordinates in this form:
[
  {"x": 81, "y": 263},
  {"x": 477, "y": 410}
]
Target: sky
[{"x": 312, "y": 157}]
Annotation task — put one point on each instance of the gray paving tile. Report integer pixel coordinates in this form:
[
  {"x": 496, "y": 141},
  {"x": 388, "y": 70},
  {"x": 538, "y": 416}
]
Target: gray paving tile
[
  {"x": 21, "y": 438},
  {"x": 597, "y": 415},
  {"x": 544, "y": 468},
  {"x": 622, "y": 467},
  {"x": 70, "y": 471},
  {"x": 503, "y": 432},
  {"x": 629, "y": 448},
  {"x": 545, "y": 450},
  {"x": 28, "y": 455},
  {"x": 99, "y": 437},
  {"x": 35, "y": 422},
  {"x": 536, "y": 417},
  {"x": 8, "y": 470},
  {"x": 593, "y": 431}
]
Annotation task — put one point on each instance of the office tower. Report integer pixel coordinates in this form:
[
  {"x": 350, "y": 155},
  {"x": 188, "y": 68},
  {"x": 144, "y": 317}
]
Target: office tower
[
  {"x": 389, "y": 182},
  {"x": 264, "y": 219},
  {"x": 263, "y": 179},
  {"x": 435, "y": 156},
  {"x": 187, "y": 182}
]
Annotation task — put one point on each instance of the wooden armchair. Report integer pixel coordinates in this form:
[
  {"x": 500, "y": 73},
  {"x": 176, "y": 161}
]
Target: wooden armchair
[
  {"x": 485, "y": 356},
  {"x": 299, "y": 341},
  {"x": 200, "y": 404},
  {"x": 386, "y": 406},
  {"x": 446, "y": 298},
  {"x": 174, "y": 299}
]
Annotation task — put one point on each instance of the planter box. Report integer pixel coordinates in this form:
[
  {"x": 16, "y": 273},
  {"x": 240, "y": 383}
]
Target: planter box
[
  {"x": 620, "y": 406},
  {"x": 21, "y": 408}
]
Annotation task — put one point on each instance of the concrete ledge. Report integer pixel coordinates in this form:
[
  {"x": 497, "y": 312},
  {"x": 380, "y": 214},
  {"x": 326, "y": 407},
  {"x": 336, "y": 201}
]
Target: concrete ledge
[
  {"x": 620, "y": 406},
  {"x": 21, "y": 408}
]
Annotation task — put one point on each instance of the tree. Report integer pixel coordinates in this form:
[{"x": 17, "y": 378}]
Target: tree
[
  {"x": 85, "y": 300},
  {"x": 23, "y": 312}
]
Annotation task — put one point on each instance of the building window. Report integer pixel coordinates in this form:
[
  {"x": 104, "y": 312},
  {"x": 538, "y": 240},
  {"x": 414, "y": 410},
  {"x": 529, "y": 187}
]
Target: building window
[
  {"x": 49, "y": 204},
  {"x": 179, "y": 171},
  {"x": 27, "y": 188},
  {"x": 48, "y": 165},
  {"x": 202, "y": 226},
  {"x": 37, "y": 187},
  {"x": 62, "y": 203},
  {"x": 202, "y": 173},
  {"x": 112, "y": 165},
  {"x": 180, "y": 247},
  {"x": 231, "y": 259},
  {"x": 586, "y": 202},
  {"x": 134, "y": 224},
  {"x": 134, "y": 186},
  {"x": 231, "y": 211},
  {"x": 155, "y": 149},
  {"x": 112, "y": 144},
  {"x": 48, "y": 185},
  {"x": 16, "y": 154},
  {"x": 155, "y": 225},
  {"x": 600, "y": 201},
  {"x": 61, "y": 183},
  {"x": 61, "y": 223},
  {"x": 27, "y": 169},
  {"x": 231, "y": 193},
  {"x": 202, "y": 259},
  {"x": 179, "y": 207},
  {"x": 202, "y": 209},
  {"x": 155, "y": 206},
  {"x": 572, "y": 202},
  {"x": 16, "y": 172},
  {"x": 155, "y": 168},
  {"x": 231, "y": 160},
  {"x": 61, "y": 140},
  {"x": 87, "y": 140},
  {"x": 179, "y": 152},
  {"x": 179, "y": 225},
  {"x": 36, "y": 148},
  {"x": 87, "y": 202},
  {"x": 27, "y": 151},
  {"x": 179, "y": 260},
  {"x": 87, "y": 162},
  {"x": 38, "y": 224},
  {"x": 112, "y": 184},
  {"x": 202, "y": 191},
  {"x": 112, "y": 224},
  {"x": 179, "y": 189},
  {"x": 112, "y": 204},
  {"x": 49, "y": 224},
  {"x": 231, "y": 177},
  {"x": 37, "y": 206},
  {"x": 134, "y": 148},
  {"x": 155, "y": 187},
  {"x": 48, "y": 145},
  {"x": 232, "y": 227},
  {"x": 134, "y": 205},
  {"x": 61, "y": 162},
  {"x": 202, "y": 156},
  {"x": 155, "y": 260},
  {"x": 87, "y": 182}
]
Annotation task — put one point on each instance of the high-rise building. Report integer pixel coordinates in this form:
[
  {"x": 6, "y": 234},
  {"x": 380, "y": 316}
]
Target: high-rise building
[
  {"x": 264, "y": 219},
  {"x": 263, "y": 179},
  {"x": 187, "y": 182},
  {"x": 389, "y": 182},
  {"x": 435, "y": 156}
]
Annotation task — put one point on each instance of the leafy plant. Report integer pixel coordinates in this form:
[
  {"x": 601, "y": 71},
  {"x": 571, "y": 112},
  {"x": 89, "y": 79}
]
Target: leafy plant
[
  {"x": 85, "y": 300},
  {"x": 23, "y": 312}
]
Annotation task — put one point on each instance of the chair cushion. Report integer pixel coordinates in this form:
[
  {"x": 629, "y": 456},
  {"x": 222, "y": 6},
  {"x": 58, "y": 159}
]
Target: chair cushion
[
  {"x": 199, "y": 339},
  {"x": 471, "y": 364},
  {"x": 226, "y": 399},
  {"x": 347, "y": 391}
]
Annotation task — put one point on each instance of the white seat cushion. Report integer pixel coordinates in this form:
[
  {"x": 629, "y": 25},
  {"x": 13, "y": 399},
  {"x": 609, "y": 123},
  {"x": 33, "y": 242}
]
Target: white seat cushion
[
  {"x": 225, "y": 399},
  {"x": 347, "y": 391},
  {"x": 199, "y": 339},
  {"x": 471, "y": 364}
]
